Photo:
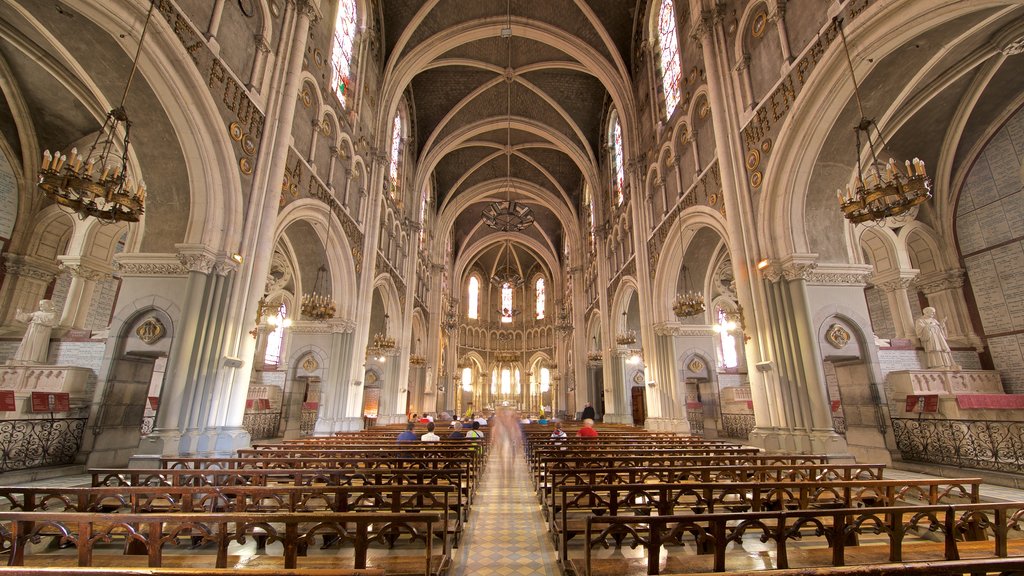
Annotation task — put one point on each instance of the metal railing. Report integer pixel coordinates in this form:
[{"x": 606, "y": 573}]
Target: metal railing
[
  {"x": 696, "y": 418},
  {"x": 839, "y": 425},
  {"x": 982, "y": 444},
  {"x": 737, "y": 425},
  {"x": 35, "y": 443},
  {"x": 307, "y": 422},
  {"x": 262, "y": 425}
]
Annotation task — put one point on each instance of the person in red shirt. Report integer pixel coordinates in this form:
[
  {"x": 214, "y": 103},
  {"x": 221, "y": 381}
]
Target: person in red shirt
[{"x": 587, "y": 431}]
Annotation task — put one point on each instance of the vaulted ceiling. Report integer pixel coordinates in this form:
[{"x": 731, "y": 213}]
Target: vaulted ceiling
[{"x": 509, "y": 116}]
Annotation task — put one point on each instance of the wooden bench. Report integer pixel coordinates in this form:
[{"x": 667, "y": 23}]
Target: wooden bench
[
  {"x": 144, "y": 499},
  {"x": 570, "y": 476},
  {"x": 1005, "y": 566},
  {"x": 77, "y": 571},
  {"x": 150, "y": 534},
  {"x": 577, "y": 503},
  {"x": 801, "y": 538}
]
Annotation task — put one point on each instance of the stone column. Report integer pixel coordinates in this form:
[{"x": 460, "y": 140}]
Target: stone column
[
  {"x": 258, "y": 234},
  {"x": 85, "y": 273},
  {"x": 822, "y": 436},
  {"x": 334, "y": 386},
  {"x": 25, "y": 283},
  {"x": 895, "y": 285}
]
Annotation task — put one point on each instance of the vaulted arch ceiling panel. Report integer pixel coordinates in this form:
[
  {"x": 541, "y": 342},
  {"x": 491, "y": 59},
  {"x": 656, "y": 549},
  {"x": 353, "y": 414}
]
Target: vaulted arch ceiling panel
[
  {"x": 616, "y": 17},
  {"x": 561, "y": 13},
  {"x": 580, "y": 95},
  {"x": 493, "y": 104},
  {"x": 497, "y": 168},
  {"x": 397, "y": 16},
  {"x": 561, "y": 168},
  {"x": 1007, "y": 85},
  {"x": 439, "y": 90},
  {"x": 494, "y": 51},
  {"x": 456, "y": 164},
  {"x": 8, "y": 128}
]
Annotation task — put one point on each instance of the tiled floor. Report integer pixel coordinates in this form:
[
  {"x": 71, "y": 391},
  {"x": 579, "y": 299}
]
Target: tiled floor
[{"x": 506, "y": 534}]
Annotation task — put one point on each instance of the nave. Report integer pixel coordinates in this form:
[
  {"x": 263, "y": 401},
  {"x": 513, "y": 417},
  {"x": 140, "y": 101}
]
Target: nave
[{"x": 532, "y": 504}]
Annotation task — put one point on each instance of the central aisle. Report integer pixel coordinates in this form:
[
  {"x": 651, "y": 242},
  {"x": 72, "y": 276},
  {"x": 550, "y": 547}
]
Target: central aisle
[{"x": 506, "y": 534}]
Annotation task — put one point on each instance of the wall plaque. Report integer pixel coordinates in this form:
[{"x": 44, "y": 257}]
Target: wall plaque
[
  {"x": 837, "y": 336},
  {"x": 151, "y": 331},
  {"x": 7, "y": 401},
  {"x": 51, "y": 402}
]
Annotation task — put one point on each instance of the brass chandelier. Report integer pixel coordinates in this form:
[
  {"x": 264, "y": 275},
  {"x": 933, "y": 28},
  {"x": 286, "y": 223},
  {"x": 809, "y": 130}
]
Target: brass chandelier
[
  {"x": 98, "y": 184},
  {"x": 688, "y": 303},
  {"x": 383, "y": 341},
  {"x": 319, "y": 304},
  {"x": 882, "y": 190},
  {"x": 508, "y": 215},
  {"x": 628, "y": 336}
]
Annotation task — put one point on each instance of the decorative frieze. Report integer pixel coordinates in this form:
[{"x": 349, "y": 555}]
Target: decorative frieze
[
  {"x": 678, "y": 329},
  {"x": 939, "y": 281},
  {"x": 331, "y": 326},
  {"x": 137, "y": 264},
  {"x": 30, "y": 267}
]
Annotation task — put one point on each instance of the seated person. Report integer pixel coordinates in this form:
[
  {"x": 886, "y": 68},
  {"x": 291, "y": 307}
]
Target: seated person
[
  {"x": 480, "y": 420},
  {"x": 457, "y": 433},
  {"x": 475, "y": 433},
  {"x": 430, "y": 436},
  {"x": 408, "y": 435},
  {"x": 587, "y": 431},
  {"x": 414, "y": 418},
  {"x": 558, "y": 432}
]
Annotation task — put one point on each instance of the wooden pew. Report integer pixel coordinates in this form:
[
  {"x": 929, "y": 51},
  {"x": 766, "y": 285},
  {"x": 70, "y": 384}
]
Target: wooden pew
[
  {"x": 576, "y": 503},
  {"x": 821, "y": 535},
  {"x": 575, "y": 475},
  {"x": 318, "y": 498},
  {"x": 76, "y": 571},
  {"x": 154, "y": 532}
]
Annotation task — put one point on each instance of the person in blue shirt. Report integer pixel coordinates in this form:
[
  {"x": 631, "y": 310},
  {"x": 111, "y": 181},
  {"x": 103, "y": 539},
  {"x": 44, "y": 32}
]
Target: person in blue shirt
[
  {"x": 457, "y": 433},
  {"x": 408, "y": 435}
]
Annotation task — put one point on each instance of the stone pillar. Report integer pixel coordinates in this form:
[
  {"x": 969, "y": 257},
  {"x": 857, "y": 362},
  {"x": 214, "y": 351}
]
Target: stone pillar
[
  {"x": 895, "y": 285},
  {"x": 84, "y": 275},
  {"x": 823, "y": 438},
  {"x": 258, "y": 235},
  {"x": 25, "y": 283},
  {"x": 944, "y": 291},
  {"x": 334, "y": 387}
]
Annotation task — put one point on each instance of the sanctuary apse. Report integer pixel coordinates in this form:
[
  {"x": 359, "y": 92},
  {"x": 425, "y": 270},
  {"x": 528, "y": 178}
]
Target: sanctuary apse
[{"x": 500, "y": 203}]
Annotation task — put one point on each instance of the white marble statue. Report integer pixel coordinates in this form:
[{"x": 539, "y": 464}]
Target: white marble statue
[
  {"x": 35, "y": 344},
  {"x": 932, "y": 333}
]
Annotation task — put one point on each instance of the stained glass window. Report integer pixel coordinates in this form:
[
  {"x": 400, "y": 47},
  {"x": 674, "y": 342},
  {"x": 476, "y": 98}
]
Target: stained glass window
[
  {"x": 728, "y": 341},
  {"x": 473, "y": 304},
  {"x": 545, "y": 379},
  {"x": 396, "y": 149},
  {"x": 467, "y": 379},
  {"x": 620, "y": 176},
  {"x": 671, "y": 72},
  {"x": 275, "y": 339},
  {"x": 506, "y": 303},
  {"x": 344, "y": 40},
  {"x": 540, "y": 298}
]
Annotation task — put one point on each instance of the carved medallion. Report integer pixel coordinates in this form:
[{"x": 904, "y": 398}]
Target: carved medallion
[
  {"x": 638, "y": 377},
  {"x": 245, "y": 165},
  {"x": 235, "y": 130},
  {"x": 837, "y": 336},
  {"x": 310, "y": 364},
  {"x": 756, "y": 178},
  {"x": 713, "y": 199},
  {"x": 766, "y": 145},
  {"x": 753, "y": 159},
  {"x": 758, "y": 26},
  {"x": 696, "y": 365},
  {"x": 151, "y": 331}
]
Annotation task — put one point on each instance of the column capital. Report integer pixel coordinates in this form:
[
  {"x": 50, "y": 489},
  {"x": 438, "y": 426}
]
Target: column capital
[
  {"x": 85, "y": 268},
  {"x": 798, "y": 266},
  {"x": 895, "y": 280},
  {"x": 30, "y": 267},
  {"x": 196, "y": 257},
  {"x": 939, "y": 281}
]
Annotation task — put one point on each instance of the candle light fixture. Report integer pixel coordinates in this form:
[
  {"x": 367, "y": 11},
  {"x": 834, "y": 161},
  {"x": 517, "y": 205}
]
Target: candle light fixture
[
  {"x": 881, "y": 190},
  {"x": 99, "y": 183}
]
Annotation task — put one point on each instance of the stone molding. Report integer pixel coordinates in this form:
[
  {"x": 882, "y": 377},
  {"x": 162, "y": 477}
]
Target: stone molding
[
  {"x": 149, "y": 264},
  {"x": 840, "y": 275},
  {"x": 677, "y": 329},
  {"x": 332, "y": 326}
]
